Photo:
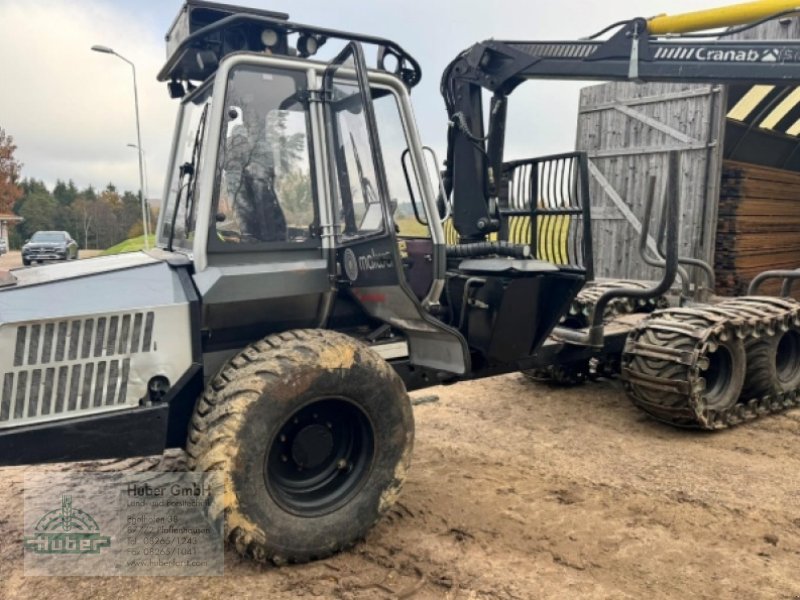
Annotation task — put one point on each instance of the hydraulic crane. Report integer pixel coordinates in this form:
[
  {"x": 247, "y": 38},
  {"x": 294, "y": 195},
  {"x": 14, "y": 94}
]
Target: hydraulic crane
[
  {"x": 636, "y": 52},
  {"x": 658, "y": 377}
]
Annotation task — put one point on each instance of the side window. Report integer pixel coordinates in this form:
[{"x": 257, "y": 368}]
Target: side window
[
  {"x": 393, "y": 146},
  {"x": 181, "y": 203},
  {"x": 265, "y": 192},
  {"x": 358, "y": 204}
]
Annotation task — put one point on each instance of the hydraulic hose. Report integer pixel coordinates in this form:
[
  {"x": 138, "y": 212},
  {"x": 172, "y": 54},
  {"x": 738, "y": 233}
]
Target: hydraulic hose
[{"x": 487, "y": 249}]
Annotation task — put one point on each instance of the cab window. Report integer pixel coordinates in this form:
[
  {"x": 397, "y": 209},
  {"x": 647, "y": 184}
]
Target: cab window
[
  {"x": 393, "y": 147},
  {"x": 178, "y": 220},
  {"x": 265, "y": 192},
  {"x": 358, "y": 209}
]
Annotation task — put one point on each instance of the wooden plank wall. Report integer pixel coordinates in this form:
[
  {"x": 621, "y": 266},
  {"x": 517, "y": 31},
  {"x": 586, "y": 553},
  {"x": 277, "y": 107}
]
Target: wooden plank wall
[
  {"x": 784, "y": 28},
  {"x": 759, "y": 226},
  {"x": 627, "y": 151}
]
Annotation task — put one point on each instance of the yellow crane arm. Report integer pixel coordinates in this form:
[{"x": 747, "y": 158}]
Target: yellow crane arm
[{"x": 724, "y": 16}]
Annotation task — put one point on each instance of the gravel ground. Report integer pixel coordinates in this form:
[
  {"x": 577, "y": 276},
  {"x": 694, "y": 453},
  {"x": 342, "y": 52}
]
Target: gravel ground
[{"x": 523, "y": 491}]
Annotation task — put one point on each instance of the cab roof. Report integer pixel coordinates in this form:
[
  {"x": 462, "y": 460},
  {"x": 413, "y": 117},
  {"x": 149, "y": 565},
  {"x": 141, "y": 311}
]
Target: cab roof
[{"x": 204, "y": 33}]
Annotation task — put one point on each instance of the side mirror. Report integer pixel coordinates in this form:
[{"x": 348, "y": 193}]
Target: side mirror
[{"x": 28, "y": 240}]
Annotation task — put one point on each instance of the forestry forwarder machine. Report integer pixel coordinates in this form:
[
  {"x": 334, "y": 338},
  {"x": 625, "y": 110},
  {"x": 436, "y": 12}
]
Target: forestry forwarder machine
[{"x": 275, "y": 330}]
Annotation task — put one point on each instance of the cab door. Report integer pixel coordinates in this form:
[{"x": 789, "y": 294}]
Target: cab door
[
  {"x": 263, "y": 267},
  {"x": 366, "y": 246}
]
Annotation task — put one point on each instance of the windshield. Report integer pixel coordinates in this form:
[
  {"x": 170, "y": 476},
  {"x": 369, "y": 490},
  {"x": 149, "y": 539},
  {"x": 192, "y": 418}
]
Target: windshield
[
  {"x": 47, "y": 237},
  {"x": 179, "y": 210},
  {"x": 265, "y": 191}
]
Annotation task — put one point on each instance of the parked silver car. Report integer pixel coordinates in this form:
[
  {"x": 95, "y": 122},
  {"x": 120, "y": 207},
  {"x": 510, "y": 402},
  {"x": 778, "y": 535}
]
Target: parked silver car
[{"x": 49, "y": 245}]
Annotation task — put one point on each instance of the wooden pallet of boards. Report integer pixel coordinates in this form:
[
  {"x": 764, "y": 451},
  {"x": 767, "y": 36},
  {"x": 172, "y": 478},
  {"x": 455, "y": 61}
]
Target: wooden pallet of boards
[{"x": 758, "y": 227}]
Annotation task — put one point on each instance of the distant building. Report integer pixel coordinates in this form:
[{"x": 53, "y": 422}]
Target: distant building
[{"x": 5, "y": 219}]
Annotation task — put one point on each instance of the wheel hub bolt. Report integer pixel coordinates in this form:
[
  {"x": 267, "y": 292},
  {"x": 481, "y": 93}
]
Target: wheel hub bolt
[{"x": 342, "y": 464}]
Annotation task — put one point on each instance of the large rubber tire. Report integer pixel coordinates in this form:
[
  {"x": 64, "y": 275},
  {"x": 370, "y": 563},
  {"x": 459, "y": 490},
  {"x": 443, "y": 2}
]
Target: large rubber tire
[
  {"x": 773, "y": 365},
  {"x": 241, "y": 423},
  {"x": 722, "y": 381},
  {"x": 26, "y": 263},
  {"x": 725, "y": 375}
]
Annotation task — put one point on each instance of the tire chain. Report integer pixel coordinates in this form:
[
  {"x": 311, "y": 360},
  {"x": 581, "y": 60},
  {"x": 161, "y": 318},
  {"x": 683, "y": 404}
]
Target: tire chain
[
  {"x": 686, "y": 336},
  {"x": 578, "y": 316},
  {"x": 582, "y": 306}
]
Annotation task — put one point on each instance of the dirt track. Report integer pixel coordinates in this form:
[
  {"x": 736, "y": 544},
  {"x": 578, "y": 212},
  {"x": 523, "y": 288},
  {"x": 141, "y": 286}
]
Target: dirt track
[{"x": 523, "y": 491}]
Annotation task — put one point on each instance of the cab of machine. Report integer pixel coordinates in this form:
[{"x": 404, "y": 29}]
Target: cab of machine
[
  {"x": 251, "y": 162},
  {"x": 251, "y": 167},
  {"x": 288, "y": 174}
]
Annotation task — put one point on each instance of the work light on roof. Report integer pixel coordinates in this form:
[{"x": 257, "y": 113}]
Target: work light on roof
[
  {"x": 270, "y": 37},
  {"x": 308, "y": 44}
]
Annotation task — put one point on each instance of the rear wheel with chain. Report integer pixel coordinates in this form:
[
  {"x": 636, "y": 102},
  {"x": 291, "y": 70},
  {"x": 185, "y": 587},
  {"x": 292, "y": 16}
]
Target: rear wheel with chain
[{"x": 715, "y": 366}]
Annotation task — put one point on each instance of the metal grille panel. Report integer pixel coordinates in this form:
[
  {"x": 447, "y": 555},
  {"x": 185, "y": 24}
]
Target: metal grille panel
[
  {"x": 73, "y": 366},
  {"x": 544, "y": 202},
  {"x": 102, "y": 337},
  {"x": 42, "y": 392}
]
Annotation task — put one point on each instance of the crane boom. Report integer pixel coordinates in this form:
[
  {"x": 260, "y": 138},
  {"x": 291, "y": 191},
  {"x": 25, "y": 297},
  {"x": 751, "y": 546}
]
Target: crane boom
[{"x": 633, "y": 53}]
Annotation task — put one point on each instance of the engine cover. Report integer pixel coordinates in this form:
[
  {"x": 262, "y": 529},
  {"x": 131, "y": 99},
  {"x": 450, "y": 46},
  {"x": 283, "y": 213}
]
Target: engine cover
[{"x": 87, "y": 339}]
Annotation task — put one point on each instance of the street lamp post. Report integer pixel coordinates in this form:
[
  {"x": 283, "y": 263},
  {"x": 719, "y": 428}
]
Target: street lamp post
[
  {"x": 107, "y": 50},
  {"x": 146, "y": 185},
  {"x": 144, "y": 157}
]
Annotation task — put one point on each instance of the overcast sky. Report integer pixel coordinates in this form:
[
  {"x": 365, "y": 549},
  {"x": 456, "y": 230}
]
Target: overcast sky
[{"x": 70, "y": 110}]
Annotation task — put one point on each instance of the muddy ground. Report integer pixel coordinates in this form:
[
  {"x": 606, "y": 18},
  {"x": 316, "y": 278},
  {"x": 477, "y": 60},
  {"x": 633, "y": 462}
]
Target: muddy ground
[{"x": 523, "y": 491}]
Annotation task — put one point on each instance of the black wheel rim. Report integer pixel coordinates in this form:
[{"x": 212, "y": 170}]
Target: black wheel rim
[
  {"x": 320, "y": 457},
  {"x": 787, "y": 356},
  {"x": 718, "y": 376}
]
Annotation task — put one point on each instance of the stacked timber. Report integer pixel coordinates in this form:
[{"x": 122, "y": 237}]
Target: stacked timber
[{"x": 758, "y": 227}]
